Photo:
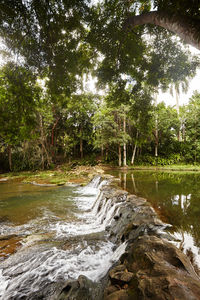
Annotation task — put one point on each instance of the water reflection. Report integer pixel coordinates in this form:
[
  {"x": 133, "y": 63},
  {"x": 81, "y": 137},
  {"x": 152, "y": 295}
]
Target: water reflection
[
  {"x": 176, "y": 198},
  {"x": 21, "y": 203}
]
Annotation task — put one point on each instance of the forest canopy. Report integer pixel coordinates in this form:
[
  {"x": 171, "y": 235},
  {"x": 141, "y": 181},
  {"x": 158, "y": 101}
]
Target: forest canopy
[{"x": 50, "y": 47}]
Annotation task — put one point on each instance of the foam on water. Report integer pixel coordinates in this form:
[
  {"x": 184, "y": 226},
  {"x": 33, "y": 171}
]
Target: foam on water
[
  {"x": 4, "y": 282},
  {"x": 89, "y": 221},
  {"x": 33, "y": 271}
]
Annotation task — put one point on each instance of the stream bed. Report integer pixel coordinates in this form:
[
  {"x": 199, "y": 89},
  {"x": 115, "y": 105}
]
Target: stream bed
[{"x": 51, "y": 234}]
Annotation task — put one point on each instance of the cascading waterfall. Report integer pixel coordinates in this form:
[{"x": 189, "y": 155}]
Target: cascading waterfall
[{"x": 86, "y": 249}]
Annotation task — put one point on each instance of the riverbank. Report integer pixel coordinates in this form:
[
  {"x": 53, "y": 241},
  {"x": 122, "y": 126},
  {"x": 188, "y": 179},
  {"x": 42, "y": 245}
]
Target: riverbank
[
  {"x": 176, "y": 167},
  {"x": 65, "y": 174},
  {"x": 69, "y": 174}
]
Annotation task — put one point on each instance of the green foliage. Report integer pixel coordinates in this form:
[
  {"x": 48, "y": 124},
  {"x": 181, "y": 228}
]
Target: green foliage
[
  {"x": 61, "y": 41},
  {"x": 109, "y": 131},
  {"x": 160, "y": 160},
  {"x": 176, "y": 7},
  {"x": 18, "y": 99}
]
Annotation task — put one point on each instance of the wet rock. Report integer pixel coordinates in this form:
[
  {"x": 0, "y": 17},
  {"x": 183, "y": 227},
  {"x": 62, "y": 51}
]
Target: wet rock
[
  {"x": 122, "y": 277},
  {"x": 136, "y": 201},
  {"x": 110, "y": 289},
  {"x": 7, "y": 237},
  {"x": 161, "y": 271},
  {"x": 118, "y": 295},
  {"x": 119, "y": 275},
  {"x": 8, "y": 245},
  {"x": 151, "y": 267},
  {"x": 44, "y": 184},
  {"x": 3, "y": 179},
  {"x": 81, "y": 289}
]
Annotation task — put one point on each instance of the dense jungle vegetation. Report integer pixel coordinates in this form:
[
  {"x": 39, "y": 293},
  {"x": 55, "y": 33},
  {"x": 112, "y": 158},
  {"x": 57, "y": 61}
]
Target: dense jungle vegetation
[{"x": 49, "y": 116}]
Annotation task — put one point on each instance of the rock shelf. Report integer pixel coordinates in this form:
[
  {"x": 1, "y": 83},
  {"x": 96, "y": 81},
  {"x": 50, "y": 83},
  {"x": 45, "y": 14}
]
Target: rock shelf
[{"x": 151, "y": 266}]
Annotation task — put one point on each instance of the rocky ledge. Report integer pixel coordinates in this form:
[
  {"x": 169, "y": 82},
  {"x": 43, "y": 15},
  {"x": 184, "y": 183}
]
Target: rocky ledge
[{"x": 151, "y": 267}]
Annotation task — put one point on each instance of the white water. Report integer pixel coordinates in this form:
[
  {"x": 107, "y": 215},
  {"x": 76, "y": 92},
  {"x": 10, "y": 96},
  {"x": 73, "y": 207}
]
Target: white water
[{"x": 30, "y": 269}]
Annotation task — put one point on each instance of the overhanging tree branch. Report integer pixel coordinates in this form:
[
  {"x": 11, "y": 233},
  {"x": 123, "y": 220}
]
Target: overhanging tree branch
[{"x": 186, "y": 28}]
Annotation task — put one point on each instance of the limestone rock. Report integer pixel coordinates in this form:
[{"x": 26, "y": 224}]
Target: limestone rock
[
  {"x": 119, "y": 295},
  {"x": 120, "y": 275},
  {"x": 161, "y": 271},
  {"x": 81, "y": 289}
]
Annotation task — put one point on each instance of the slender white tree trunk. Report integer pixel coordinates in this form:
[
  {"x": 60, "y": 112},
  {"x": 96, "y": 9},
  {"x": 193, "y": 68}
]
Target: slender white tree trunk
[
  {"x": 119, "y": 146},
  {"x": 102, "y": 152},
  {"x": 124, "y": 181},
  {"x": 178, "y": 112},
  {"x": 120, "y": 155},
  {"x": 42, "y": 139},
  {"x": 124, "y": 147},
  {"x": 156, "y": 129},
  {"x": 134, "y": 149}
]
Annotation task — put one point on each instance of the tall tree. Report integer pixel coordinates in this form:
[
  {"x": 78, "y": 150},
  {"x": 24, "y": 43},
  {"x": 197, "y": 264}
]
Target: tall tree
[
  {"x": 19, "y": 95},
  {"x": 193, "y": 128},
  {"x": 140, "y": 119},
  {"x": 109, "y": 131}
]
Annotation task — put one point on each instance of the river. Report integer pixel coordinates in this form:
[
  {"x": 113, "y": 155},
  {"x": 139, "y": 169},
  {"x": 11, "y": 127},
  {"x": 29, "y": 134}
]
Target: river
[
  {"x": 176, "y": 198},
  {"x": 51, "y": 234}
]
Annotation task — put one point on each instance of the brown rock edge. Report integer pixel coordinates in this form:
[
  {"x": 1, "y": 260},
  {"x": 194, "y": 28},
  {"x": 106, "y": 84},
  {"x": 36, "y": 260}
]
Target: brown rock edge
[{"x": 151, "y": 267}]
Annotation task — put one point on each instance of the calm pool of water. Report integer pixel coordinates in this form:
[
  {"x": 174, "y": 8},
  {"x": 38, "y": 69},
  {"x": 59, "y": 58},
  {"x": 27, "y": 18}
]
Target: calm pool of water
[
  {"x": 20, "y": 203},
  {"x": 176, "y": 198}
]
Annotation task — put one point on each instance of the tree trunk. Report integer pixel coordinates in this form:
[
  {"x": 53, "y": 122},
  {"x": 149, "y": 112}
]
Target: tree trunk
[
  {"x": 124, "y": 181},
  {"x": 183, "y": 131},
  {"x": 10, "y": 157},
  {"x": 119, "y": 146},
  {"x": 124, "y": 147},
  {"x": 177, "y": 24},
  {"x": 106, "y": 153},
  {"x": 120, "y": 155},
  {"x": 81, "y": 147},
  {"x": 81, "y": 142},
  {"x": 134, "y": 150},
  {"x": 156, "y": 143},
  {"x": 133, "y": 156},
  {"x": 156, "y": 129},
  {"x": 44, "y": 150},
  {"x": 102, "y": 152},
  {"x": 178, "y": 113},
  {"x": 52, "y": 135}
]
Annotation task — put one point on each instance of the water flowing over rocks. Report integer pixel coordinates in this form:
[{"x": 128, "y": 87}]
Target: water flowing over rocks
[
  {"x": 151, "y": 267},
  {"x": 115, "y": 249}
]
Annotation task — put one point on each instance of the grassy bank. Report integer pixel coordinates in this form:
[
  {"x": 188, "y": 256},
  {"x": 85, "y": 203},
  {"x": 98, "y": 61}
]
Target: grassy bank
[
  {"x": 64, "y": 174},
  {"x": 175, "y": 167},
  {"x": 68, "y": 174}
]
